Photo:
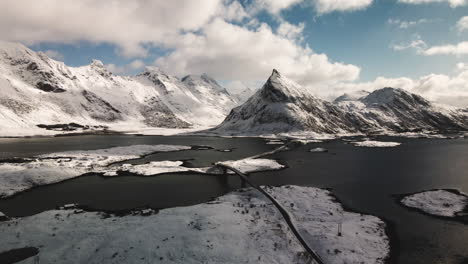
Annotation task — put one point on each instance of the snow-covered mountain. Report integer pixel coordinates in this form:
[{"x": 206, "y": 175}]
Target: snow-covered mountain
[
  {"x": 244, "y": 95},
  {"x": 351, "y": 97},
  {"x": 35, "y": 89},
  {"x": 283, "y": 106},
  {"x": 38, "y": 92}
]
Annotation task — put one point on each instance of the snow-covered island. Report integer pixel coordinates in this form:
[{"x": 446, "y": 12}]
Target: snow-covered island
[
  {"x": 252, "y": 165},
  {"x": 318, "y": 150},
  {"x": 444, "y": 203},
  {"x": 375, "y": 144},
  {"x": 240, "y": 227},
  {"x": 55, "y": 167}
]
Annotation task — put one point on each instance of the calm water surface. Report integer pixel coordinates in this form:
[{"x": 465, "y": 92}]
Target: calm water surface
[{"x": 364, "y": 179}]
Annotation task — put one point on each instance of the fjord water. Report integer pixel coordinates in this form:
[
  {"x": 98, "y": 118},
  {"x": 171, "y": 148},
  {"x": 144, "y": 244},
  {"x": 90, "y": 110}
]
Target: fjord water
[{"x": 363, "y": 179}]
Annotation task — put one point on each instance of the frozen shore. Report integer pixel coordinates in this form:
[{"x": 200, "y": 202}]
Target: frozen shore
[{"x": 240, "y": 227}]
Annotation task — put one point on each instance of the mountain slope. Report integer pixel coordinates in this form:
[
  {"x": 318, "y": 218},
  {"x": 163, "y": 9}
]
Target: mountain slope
[
  {"x": 283, "y": 106},
  {"x": 35, "y": 89},
  {"x": 401, "y": 111}
]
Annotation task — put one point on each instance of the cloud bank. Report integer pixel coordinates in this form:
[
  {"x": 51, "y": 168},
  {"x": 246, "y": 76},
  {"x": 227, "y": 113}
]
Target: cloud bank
[{"x": 200, "y": 36}]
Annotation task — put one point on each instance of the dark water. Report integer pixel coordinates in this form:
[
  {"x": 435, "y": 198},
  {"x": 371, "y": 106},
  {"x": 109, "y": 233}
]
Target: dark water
[{"x": 364, "y": 179}]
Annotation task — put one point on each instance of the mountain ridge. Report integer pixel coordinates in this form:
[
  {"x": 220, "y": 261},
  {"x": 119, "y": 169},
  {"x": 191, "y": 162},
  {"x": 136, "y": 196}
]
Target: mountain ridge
[
  {"x": 282, "y": 106},
  {"x": 36, "y": 89}
]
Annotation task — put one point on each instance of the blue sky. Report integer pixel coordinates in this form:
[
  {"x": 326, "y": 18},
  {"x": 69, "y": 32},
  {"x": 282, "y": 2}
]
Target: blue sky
[
  {"x": 329, "y": 46},
  {"x": 365, "y": 37}
]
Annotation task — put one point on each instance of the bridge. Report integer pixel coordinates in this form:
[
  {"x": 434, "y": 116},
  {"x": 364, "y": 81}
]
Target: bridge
[{"x": 278, "y": 206}]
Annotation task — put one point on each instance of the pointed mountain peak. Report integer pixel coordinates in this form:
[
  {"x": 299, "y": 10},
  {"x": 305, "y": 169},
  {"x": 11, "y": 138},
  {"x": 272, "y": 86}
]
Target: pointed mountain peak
[
  {"x": 99, "y": 67},
  {"x": 204, "y": 80},
  {"x": 97, "y": 64},
  {"x": 281, "y": 89},
  {"x": 155, "y": 72},
  {"x": 275, "y": 73}
]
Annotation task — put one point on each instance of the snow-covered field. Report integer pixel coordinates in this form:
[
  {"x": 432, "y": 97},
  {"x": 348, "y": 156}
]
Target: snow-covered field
[
  {"x": 376, "y": 144},
  {"x": 446, "y": 203},
  {"x": 240, "y": 227},
  {"x": 56, "y": 167}
]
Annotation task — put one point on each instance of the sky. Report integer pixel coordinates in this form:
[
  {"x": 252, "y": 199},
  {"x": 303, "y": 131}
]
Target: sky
[{"x": 328, "y": 46}]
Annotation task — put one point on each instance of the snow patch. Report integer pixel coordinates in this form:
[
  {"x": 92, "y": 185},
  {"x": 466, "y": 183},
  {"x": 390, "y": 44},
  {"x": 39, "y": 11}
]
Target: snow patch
[
  {"x": 318, "y": 150},
  {"x": 437, "y": 202},
  {"x": 249, "y": 165},
  {"x": 153, "y": 168},
  {"x": 376, "y": 144}
]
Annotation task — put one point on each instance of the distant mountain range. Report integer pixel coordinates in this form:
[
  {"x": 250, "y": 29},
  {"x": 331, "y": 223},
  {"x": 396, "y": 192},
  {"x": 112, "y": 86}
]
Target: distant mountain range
[
  {"x": 282, "y": 106},
  {"x": 35, "y": 89},
  {"x": 37, "y": 93}
]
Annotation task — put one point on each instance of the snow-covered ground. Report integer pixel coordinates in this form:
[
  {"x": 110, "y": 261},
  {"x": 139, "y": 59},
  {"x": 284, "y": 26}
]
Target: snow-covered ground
[
  {"x": 446, "y": 203},
  {"x": 153, "y": 168},
  {"x": 252, "y": 165},
  {"x": 376, "y": 144},
  {"x": 240, "y": 227},
  {"x": 60, "y": 166}
]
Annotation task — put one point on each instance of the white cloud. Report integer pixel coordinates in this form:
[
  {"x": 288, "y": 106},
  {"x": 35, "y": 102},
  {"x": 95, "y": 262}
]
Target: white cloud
[
  {"x": 328, "y": 6},
  {"x": 234, "y": 12},
  {"x": 417, "y": 44},
  {"x": 54, "y": 54},
  {"x": 126, "y": 69},
  {"x": 274, "y": 6},
  {"x": 128, "y": 24},
  {"x": 321, "y": 6},
  {"x": 232, "y": 52},
  {"x": 461, "y": 67},
  {"x": 422, "y": 48},
  {"x": 440, "y": 88},
  {"x": 462, "y": 24},
  {"x": 290, "y": 31},
  {"x": 452, "y": 3},
  {"x": 456, "y": 49},
  {"x": 407, "y": 24}
]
